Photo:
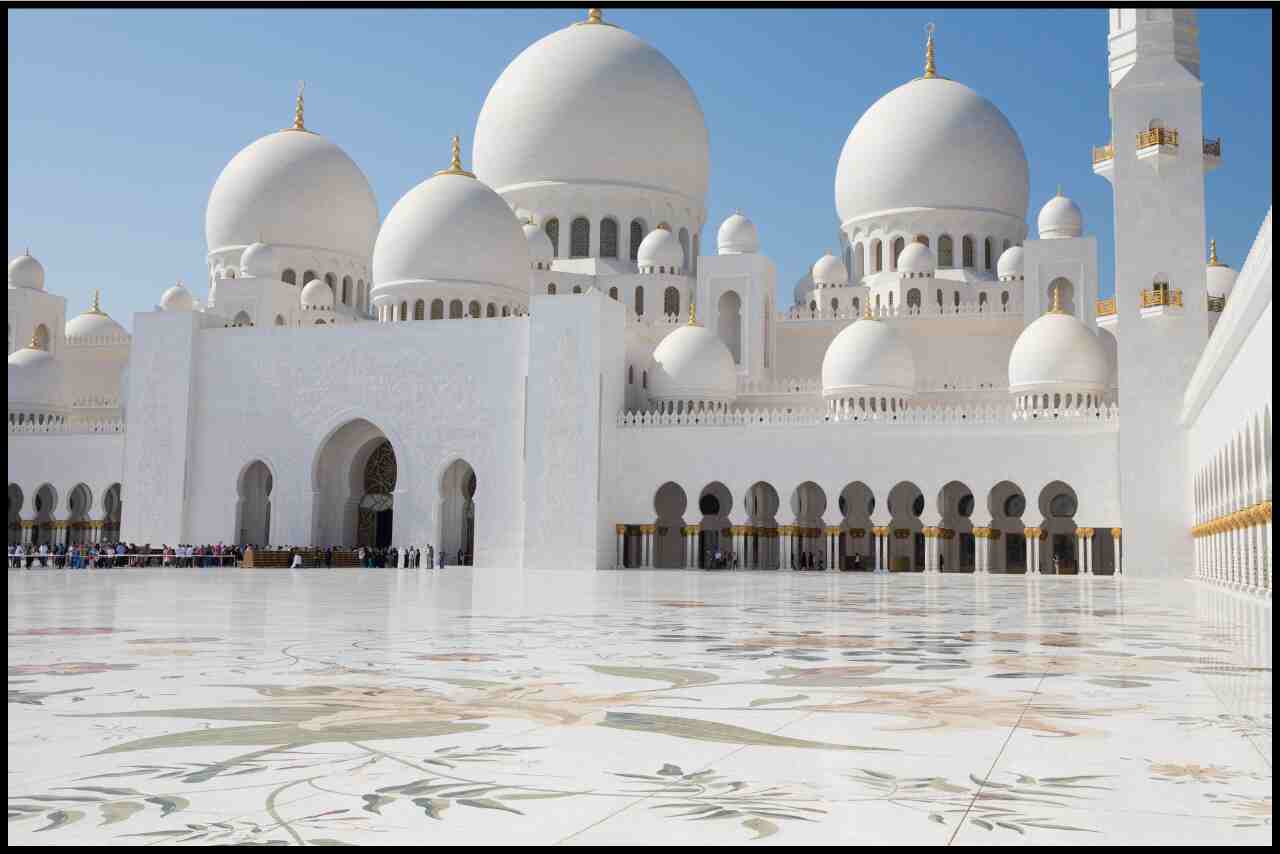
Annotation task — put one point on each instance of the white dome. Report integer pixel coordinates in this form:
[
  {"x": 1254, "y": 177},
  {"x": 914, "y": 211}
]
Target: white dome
[
  {"x": 317, "y": 295},
  {"x": 1060, "y": 217},
  {"x": 1009, "y": 266},
  {"x": 1219, "y": 278},
  {"x": 932, "y": 143},
  {"x": 26, "y": 272},
  {"x": 593, "y": 104},
  {"x": 737, "y": 236},
  {"x": 802, "y": 289},
  {"x": 259, "y": 260},
  {"x": 540, "y": 248},
  {"x": 829, "y": 270},
  {"x": 660, "y": 248},
  {"x": 94, "y": 325},
  {"x": 1058, "y": 353},
  {"x": 692, "y": 364},
  {"x": 452, "y": 228},
  {"x": 293, "y": 188},
  {"x": 868, "y": 358},
  {"x": 37, "y": 379},
  {"x": 177, "y": 298},
  {"x": 916, "y": 260}
]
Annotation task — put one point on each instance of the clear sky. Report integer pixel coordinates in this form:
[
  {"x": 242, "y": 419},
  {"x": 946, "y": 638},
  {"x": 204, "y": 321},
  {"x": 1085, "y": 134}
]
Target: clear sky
[{"x": 120, "y": 120}]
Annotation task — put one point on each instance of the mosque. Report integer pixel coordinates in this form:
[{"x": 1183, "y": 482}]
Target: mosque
[{"x": 534, "y": 362}]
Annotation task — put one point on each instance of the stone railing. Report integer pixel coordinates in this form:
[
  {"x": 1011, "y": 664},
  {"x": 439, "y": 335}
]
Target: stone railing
[
  {"x": 96, "y": 403},
  {"x": 930, "y": 308},
  {"x": 96, "y": 340},
  {"x": 1103, "y": 153},
  {"x": 789, "y": 385},
  {"x": 981, "y": 414},
  {"x": 1157, "y": 136},
  {"x": 1161, "y": 296},
  {"x": 70, "y": 426},
  {"x": 1105, "y": 307}
]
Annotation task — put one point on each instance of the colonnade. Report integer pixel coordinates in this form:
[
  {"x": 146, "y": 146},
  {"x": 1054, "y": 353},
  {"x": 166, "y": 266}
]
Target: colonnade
[
  {"x": 62, "y": 532},
  {"x": 1234, "y": 550}
]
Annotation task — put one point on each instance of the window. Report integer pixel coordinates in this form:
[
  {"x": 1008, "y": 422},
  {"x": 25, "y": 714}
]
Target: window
[
  {"x": 858, "y": 263},
  {"x": 922, "y": 238},
  {"x": 437, "y": 309},
  {"x": 898, "y": 246},
  {"x": 684, "y": 247},
  {"x": 577, "y": 289},
  {"x": 332, "y": 281},
  {"x": 982, "y": 300},
  {"x": 877, "y": 257},
  {"x": 404, "y": 310},
  {"x": 506, "y": 311},
  {"x": 551, "y": 289},
  {"x": 857, "y": 305},
  {"x": 491, "y": 310},
  {"x": 913, "y": 298},
  {"x": 362, "y": 295},
  {"x": 474, "y": 308},
  {"x": 644, "y": 380},
  {"x": 1006, "y": 246},
  {"x": 637, "y": 235},
  {"x": 580, "y": 238},
  {"x": 455, "y": 309},
  {"x": 835, "y": 306},
  {"x": 613, "y": 294},
  {"x": 946, "y": 252},
  {"x": 986, "y": 253},
  {"x": 939, "y": 298},
  {"x": 552, "y": 228},
  {"x": 289, "y": 277},
  {"x": 420, "y": 310},
  {"x": 346, "y": 290},
  {"x": 966, "y": 251},
  {"x": 1004, "y": 301},
  {"x": 671, "y": 301},
  {"x": 631, "y": 375},
  {"x": 1014, "y": 505},
  {"x": 957, "y": 300},
  {"x": 308, "y": 276},
  {"x": 639, "y": 299},
  {"x": 608, "y": 238}
]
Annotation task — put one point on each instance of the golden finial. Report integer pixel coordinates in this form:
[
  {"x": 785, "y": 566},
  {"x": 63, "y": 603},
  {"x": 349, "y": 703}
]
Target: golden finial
[
  {"x": 1059, "y": 191},
  {"x": 866, "y": 311},
  {"x": 693, "y": 312},
  {"x": 1213, "y": 255},
  {"x": 455, "y": 162},
  {"x": 297, "y": 109},
  {"x": 594, "y": 17},
  {"x": 1056, "y": 307},
  {"x": 35, "y": 342},
  {"x": 96, "y": 308},
  {"x": 930, "y": 70}
]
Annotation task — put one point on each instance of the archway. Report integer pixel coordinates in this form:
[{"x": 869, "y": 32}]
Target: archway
[
  {"x": 15, "y": 514},
  {"x": 955, "y": 507},
  {"x": 669, "y": 504},
  {"x": 79, "y": 503},
  {"x": 1066, "y": 294},
  {"x": 808, "y": 503},
  {"x": 1007, "y": 504},
  {"x": 458, "y": 513},
  {"x": 253, "y": 505},
  {"x": 729, "y": 310},
  {"x": 46, "y": 502},
  {"x": 714, "y": 504},
  {"x": 354, "y": 478},
  {"x": 1058, "y": 505},
  {"x": 906, "y": 537},
  {"x": 112, "y": 508},
  {"x": 857, "y": 503},
  {"x": 762, "y": 503}
]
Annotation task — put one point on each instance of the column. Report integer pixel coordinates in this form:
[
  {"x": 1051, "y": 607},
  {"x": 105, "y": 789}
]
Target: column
[
  {"x": 979, "y": 550},
  {"x": 620, "y": 531},
  {"x": 1080, "y": 551},
  {"x": 1266, "y": 547},
  {"x": 833, "y": 547},
  {"x": 1115, "y": 544}
]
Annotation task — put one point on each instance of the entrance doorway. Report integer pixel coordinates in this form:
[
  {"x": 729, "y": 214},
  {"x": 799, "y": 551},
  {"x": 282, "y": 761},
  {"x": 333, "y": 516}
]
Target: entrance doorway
[
  {"x": 458, "y": 514},
  {"x": 374, "y": 515}
]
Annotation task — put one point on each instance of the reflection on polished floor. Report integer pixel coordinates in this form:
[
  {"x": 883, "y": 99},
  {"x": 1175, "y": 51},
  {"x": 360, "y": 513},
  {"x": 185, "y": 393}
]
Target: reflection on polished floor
[{"x": 465, "y": 707}]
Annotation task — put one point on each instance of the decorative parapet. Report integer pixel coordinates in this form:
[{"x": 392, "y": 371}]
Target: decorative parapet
[
  {"x": 71, "y": 426},
  {"x": 1105, "y": 307},
  {"x": 977, "y": 413},
  {"x": 1103, "y": 153},
  {"x": 788, "y": 385},
  {"x": 1156, "y": 297},
  {"x": 930, "y": 308},
  {"x": 813, "y": 385},
  {"x": 96, "y": 340},
  {"x": 1157, "y": 136},
  {"x": 92, "y": 402},
  {"x": 1246, "y": 517}
]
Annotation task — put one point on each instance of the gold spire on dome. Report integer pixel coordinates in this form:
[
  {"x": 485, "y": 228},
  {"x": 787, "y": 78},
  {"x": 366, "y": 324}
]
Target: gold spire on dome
[
  {"x": 930, "y": 69},
  {"x": 866, "y": 312},
  {"x": 96, "y": 308},
  {"x": 297, "y": 110},
  {"x": 455, "y": 163},
  {"x": 1213, "y": 255},
  {"x": 35, "y": 342},
  {"x": 693, "y": 312},
  {"x": 1056, "y": 307},
  {"x": 594, "y": 16}
]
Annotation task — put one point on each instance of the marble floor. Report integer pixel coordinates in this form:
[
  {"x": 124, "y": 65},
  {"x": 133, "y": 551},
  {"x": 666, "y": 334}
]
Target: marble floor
[{"x": 194, "y": 707}]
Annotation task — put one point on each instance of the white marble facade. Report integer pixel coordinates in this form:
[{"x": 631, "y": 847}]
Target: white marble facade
[{"x": 565, "y": 375}]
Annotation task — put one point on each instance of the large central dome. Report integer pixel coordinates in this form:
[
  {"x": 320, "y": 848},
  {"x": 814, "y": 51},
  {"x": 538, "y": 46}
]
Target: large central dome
[
  {"x": 932, "y": 143},
  {"x": 592, "y": 104}
]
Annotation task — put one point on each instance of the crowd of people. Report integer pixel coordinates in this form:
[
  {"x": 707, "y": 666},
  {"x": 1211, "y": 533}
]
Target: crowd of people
[
  {"x": 109, "y": 555},
  {"x": 721, "y": 559}
]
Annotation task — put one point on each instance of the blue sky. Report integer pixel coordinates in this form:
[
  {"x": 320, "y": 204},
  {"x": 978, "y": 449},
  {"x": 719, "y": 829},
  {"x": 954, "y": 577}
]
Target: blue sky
[{"x": 120, "y": 120}]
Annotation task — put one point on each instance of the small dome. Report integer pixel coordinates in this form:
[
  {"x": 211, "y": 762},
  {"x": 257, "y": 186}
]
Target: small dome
[
  {"x": 317, "y": 295},
  {"x": 692, "y": 364},
  {"x": 868, "y": 358},
  {"x": 660, "y": 248},
  {"x": 540, "y": 248},
  {"x": 177, "y": 298},
  {"x": 26, "y": 272},
  {"x": 737, "y": 236},
  {"x": 259, "y": 260},
  {"x": 1058, "y": 353},
  {"x": 37, "y": 379},
  {"x": 916, "y": 260},
  {"x": 829, "y": 270},
  {"x": 1219, "y": 278},
  {"x": 1009, "y": 267},
  {"x": 1060, "y": 217},
  {"x": 93, "y": 325},
  {"x": 803, "y": 288}
]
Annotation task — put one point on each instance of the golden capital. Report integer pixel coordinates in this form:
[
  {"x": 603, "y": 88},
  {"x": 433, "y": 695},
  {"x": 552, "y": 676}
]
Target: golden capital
[
  {"x": 621, "y": 529},
  {"x": 1115, "y": 532}
]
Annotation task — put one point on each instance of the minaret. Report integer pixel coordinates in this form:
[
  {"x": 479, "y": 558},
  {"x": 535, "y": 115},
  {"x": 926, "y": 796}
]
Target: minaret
[{"x": 1157, "y": 167}]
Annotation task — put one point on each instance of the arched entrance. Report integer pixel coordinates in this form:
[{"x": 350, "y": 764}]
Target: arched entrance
[
  {"x": 458, "y": 513},
  {"x": 808, "y": 503},
  {"x": 729, "y": 326},
  {"x": 1009, "y": 551},
  {"x": 955, "y": 506},
  {"x": 1058, "y": 505},
  {"x": 253, "y": 505},
  {"x": 15, "y": 514},
  {"x": 669, "y": 504},
  {"x": 714, "y": 504},
  {"x": 354, "y": 479},
  {"x": 112, "y": 507},
  {"x": 906, "y": 537},
  {"x": 856, "y": 504},
  {"x": 79, "y": 504},
  {"x": 46, "y": 501},
  {"x": 762, "y": 503}
]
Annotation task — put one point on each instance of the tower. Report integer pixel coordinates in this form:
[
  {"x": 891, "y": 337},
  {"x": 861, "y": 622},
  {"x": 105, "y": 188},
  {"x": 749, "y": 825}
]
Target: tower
[{"x": 1156, "y": 163}]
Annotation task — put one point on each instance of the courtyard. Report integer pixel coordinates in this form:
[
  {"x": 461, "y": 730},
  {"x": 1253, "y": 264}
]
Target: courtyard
[{"x": 462, "y": 706}]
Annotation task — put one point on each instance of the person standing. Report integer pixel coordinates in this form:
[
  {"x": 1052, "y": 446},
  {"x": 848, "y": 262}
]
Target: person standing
[{"x": 431, "y": 556}]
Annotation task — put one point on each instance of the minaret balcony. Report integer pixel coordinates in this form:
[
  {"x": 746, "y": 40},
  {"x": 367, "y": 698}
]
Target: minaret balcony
[
  {"x": 1104, "y": 158},
  {"x": 1161, "y": 301},
  {"x": 1105, "y": 313},
  {"x": 1212, "y": 154},
  {"x": 1158, "y": 147}
]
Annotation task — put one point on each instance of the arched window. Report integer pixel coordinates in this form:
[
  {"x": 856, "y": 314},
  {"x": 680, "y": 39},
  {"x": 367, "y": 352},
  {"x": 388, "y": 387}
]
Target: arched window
[
  {"x": 957, "y": 299},
  {"x": 637, "y": 235},
  {"x": 420, "y": 310},
  {"x": 1006, "y": 246},
  {"x": 913, "y": 298},
  {"x": 877, "y": 257},
  {"x": 966, "y": 251},
  {"x": 835, "y": 306},
  {"x": 242, "y": 319},
  {"x": 986, "y": 253},
  {"x": 332, "y": 281},
  {"x": 308, "y": 276},
  {"x": 890, "y": 300},
  {"x": 455, "y": 309},
  {"x": 813, "y": 306},
  {"x": 946, "y": 252},
  {"x": 437, "y": 309},
  {"x": 684, "y": 247},
  {"x": 644, "y": 379},
  {"x": 319, "y": 323},
  {"x": 859, "y": 263},
  {"x": 639, "y": 299},
  {"x": 346, "y": 290},
  {"x": 552, "y": 228},
  {"x": 362, "y": 294},
  {"x": 474, "y": 308},
  {"x": 580, "y": 238},
  {"x": 1004, "y": 301},
  {"x": 857, "y": 306},
  {"x": 939, "y": 299},
  {"x": 491, "y": 310},
  {"x": 631, "y": 374},
  {"x": 982, "y": 300},
  {"x": 608, "y": 238},
  {"x": 923, "y": 238},
  {"x": 577, "y": 289},
  {"x": 289, "y": 277},
  {"x": 877, "y": 302},
  {"x": 671, "y": 301},
  {"x": 41, "y": 337},
  {"x": 898, "y": 246},
  {"x": 551, "y": 289},
  {"x": 506, "y": 311},
  {"x": 404, "y": 310},
  {"x": 613, "y": 294}
]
